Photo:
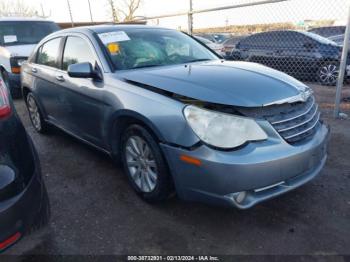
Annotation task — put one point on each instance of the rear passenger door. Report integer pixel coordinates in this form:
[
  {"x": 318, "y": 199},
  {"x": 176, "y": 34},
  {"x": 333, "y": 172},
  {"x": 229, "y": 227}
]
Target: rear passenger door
[
  {"x": 84, "y": 104},
  {"x": 44, "y": 70}
]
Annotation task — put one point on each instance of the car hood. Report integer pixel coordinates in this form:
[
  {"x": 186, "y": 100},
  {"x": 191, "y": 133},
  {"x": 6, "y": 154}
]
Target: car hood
[
  {"x": 222, "y": 82},
  {"x": 20, "y": 50}
]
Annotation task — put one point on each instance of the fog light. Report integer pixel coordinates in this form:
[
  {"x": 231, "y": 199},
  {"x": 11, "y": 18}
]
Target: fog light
[{"x": 241, "y": 197}]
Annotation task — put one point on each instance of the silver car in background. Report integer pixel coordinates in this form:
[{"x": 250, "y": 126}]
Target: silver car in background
[
  {"x": 178, "y": 118},
  {"x": 216, "y": 47}
]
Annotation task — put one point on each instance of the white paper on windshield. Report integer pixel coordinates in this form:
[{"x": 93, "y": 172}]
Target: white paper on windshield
[
  {"x": 113, "y": 37},
  {"x": 10, "y": 38}
]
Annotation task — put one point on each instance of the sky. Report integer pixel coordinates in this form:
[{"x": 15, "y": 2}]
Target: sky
[{"x": 289, "y": 11}]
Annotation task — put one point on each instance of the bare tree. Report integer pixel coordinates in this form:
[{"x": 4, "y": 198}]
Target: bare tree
[
  {"x": 124, "y": 10},
  {"x": 113, "y": 11},
  {"x": 16, "y": 7}
]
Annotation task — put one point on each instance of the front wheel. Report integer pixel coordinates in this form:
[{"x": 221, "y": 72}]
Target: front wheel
[
  {"x": 145, "y": 165},
  {"x": 328, "y": 74}
]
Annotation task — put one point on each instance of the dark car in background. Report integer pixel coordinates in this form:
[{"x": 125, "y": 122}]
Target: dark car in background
[
  {"x": 24, "y": 204},
  {"x": 328, "y": 31},
  {"x": 229, "y": 45},
  {"x": 304, "y": 55}
]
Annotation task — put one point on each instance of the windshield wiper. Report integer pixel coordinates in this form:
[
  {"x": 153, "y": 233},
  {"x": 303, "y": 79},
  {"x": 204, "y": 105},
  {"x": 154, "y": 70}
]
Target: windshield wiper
[
  {"x": 198, "y": 60},
  {"x": 144, "y": 66}
]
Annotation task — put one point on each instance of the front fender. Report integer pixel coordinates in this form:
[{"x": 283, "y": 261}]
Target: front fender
[{"x": 161, "y": 114}]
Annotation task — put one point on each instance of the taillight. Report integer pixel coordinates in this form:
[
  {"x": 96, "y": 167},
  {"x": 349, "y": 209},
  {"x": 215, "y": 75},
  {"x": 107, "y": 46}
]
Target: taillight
[
  {"x": 10, "y": 241},
  {"x": 16, "y": 63},
  {"x": 5, "y": 109}
]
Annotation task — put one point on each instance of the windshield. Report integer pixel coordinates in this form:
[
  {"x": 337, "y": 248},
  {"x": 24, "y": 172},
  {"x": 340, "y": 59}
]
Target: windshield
[
  {"x": 25, "y": 32},
  {"x": 138, "y": 48},
  {"x": 320, "y": 39}
]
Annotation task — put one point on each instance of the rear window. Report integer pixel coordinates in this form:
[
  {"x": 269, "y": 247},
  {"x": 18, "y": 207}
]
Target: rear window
[
  {"x": 256, "y": 41},
  {"x": 25, "y": 32}
]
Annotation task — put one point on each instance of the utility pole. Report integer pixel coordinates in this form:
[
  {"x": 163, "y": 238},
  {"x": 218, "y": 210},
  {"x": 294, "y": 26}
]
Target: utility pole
[
  {"x": 92, "y": 20},
  {"x": 190, "y": 19},
  {"x": 342, "y": 69},
  {"x": 70, "y": 13},
  {"x": 42, "y": 10}
]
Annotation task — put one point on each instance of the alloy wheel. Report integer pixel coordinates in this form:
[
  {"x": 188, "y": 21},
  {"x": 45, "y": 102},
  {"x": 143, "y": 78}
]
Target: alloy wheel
[
  {"x": 34, "y": 112},
  {"x": 141, "y": 163},
  {"x": 329, "y": 74}
]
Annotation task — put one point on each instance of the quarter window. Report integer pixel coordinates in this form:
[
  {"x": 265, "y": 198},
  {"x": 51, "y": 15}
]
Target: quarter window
[
  {"x": 77, "y": 50},
  {"x": 48, "y": 53}
]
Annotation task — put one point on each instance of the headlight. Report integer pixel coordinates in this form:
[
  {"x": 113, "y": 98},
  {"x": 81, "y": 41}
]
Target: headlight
[{"x": 222, "y": 130}]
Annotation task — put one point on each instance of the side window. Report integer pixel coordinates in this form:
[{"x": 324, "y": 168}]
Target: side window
[
  {"x": 255, "y": 41},
  {"x": 48, "y": 53},
  {"x": 266, "y": 40},
  {"x": 282, "y": 39},
  {"x": 300, "y": 40},
  {"x": 248, "y": 42},
  {"x": 77, "y": 50}
]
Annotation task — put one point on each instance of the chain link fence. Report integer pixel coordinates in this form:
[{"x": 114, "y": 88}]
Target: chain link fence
[{"x": 301, "y": 38}]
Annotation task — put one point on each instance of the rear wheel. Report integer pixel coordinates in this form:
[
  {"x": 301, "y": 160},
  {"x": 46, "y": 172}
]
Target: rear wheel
[
  {"x": 36, "y": 117},
  {"x": 145, "y": 165},
  {"x": 328, "y": 74}
]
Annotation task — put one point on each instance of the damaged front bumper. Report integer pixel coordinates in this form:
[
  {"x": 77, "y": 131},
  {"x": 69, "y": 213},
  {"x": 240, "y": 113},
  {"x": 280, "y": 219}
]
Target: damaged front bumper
[{"x": 247, "y": 176}]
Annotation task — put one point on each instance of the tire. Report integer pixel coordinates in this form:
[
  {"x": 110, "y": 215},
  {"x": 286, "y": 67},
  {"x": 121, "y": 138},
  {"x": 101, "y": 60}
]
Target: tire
[
  {"x": 140, "y": 155},
  {"x": 35, "y": 115},
  {"x": 328, "y": 74}
]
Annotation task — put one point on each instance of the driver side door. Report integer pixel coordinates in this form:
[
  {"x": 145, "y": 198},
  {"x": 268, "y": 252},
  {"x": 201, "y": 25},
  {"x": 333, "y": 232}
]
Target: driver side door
[{"x": 84, "y": 107}]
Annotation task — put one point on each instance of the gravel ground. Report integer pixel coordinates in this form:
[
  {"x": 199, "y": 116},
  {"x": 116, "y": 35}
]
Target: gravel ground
[{"x": 95, "y": 211}]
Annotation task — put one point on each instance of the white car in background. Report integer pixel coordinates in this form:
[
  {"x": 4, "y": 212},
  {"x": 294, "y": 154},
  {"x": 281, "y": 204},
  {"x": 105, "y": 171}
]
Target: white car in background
[
  {"x": 18, "y": 37},
  {"x": 218, "y": 48}
]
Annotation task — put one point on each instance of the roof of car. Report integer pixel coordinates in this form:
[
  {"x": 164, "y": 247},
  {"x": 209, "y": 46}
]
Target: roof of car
[{"x": 16, "y": 18}]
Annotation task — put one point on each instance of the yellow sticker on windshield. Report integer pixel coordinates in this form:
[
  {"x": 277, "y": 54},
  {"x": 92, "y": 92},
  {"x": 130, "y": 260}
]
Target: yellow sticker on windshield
[{"x": 113, "y": 48}]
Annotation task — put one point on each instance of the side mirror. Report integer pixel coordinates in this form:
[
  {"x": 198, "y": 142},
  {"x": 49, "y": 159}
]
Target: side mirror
[{"x": 83, "y": 70}]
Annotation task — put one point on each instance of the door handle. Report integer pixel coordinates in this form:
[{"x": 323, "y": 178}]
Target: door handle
[
  {"x": 34, "y": 70},
  {"x": 60, "y": 78}
]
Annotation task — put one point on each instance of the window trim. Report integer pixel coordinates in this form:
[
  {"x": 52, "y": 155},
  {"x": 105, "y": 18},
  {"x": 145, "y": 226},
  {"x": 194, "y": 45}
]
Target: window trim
[
  {"x": 58, "y": 55},
  {"x": 89, "y": 43}
]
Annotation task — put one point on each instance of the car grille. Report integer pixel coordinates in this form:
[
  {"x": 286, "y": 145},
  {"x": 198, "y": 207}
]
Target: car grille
[{"x": 295, "y": 122}]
